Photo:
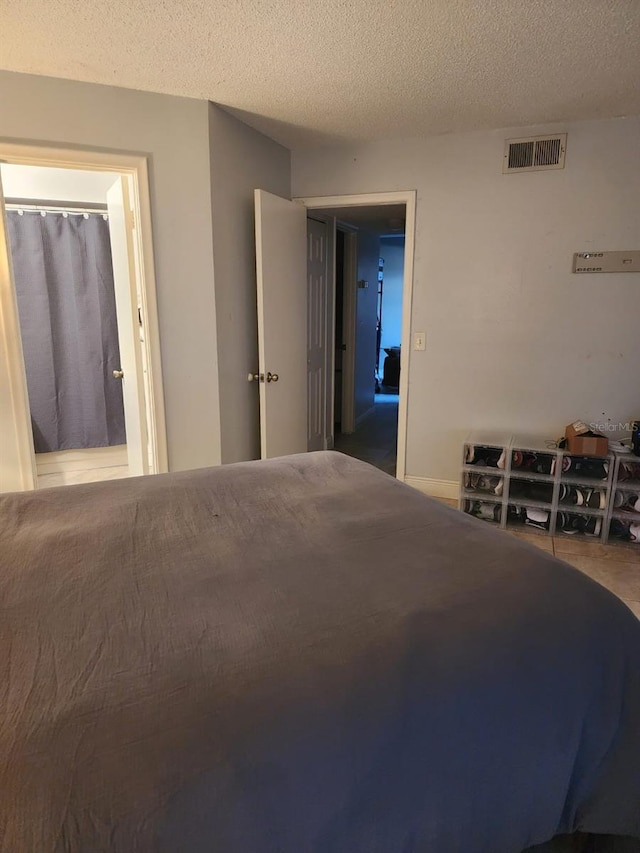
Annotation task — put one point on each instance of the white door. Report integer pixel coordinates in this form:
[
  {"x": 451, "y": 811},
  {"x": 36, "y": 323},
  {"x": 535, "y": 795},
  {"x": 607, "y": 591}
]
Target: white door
[
  {"x": 126, "y": 293},
  {"x": 281, "y": 268},
  {"x": 17, "y": 460},
  {"x": 317, "y": 310}
]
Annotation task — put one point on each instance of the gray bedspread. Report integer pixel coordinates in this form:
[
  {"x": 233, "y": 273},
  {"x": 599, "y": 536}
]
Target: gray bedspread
[{"x": 301, "y": 656}]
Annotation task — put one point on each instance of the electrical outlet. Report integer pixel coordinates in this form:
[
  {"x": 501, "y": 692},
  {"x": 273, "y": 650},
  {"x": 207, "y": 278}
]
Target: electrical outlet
[{"x": 419, "y": 340}]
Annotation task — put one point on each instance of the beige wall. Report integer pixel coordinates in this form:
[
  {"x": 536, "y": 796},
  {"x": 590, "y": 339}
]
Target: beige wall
[
  {"x": 174, "y": 134},
  {"x": 514, "y": 340},
  {"x": 241, "y": 160}
]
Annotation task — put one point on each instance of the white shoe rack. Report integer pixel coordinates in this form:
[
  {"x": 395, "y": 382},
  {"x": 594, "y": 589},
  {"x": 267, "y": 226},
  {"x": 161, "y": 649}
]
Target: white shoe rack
[
  {"x": 562, "y": 498},
  {"x": 625, "y": 506}
]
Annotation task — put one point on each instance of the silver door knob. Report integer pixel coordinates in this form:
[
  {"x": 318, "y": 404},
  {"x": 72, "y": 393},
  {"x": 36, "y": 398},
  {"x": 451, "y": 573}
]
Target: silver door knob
[
  {"x": 255, "y": 377},
  {"x": 272, "y": 377},
  {"x": 118, "y": 374}
]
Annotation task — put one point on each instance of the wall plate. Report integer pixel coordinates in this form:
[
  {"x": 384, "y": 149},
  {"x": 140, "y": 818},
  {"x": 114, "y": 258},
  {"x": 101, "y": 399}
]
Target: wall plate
[{"x": 606, "y": 261}]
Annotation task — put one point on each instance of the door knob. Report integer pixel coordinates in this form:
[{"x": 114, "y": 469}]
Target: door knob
[
  {"x": 272, "y": 377},
  {"x": 255, "y": 377},
  {"x": 118, "y": 374}
]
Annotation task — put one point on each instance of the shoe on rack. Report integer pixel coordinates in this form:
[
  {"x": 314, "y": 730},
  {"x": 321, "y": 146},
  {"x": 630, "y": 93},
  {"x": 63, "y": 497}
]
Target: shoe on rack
[
  {"x": 571, "y": 495},
  {"x": 544, "y": 464},
  {"x": 491, "y": 484},
  {"x": 619, "y": 499},
  {"x": 483, "y": 509},
  {"x": 620, "y": 529},
  {"x": 480, "y": 454},
  {"x": 524, "y": 460},
  {"x": 596, "y": 498},
  {"x": 628, "y": 501},
  {"x": 585, "y": 466},
  {"x": 494, "y": 485},
  {"x": 484, "y": 483},
  {"x": 516, "y": 514},
  {"x": 566, "y": 523},
  {"x": 629, "y": 470},
  {"x": 592, "y": 526},
  {"x": 572, "y": 523},
  {"x": 488, "y": 511},
  {"x": 538, "y": 518}
]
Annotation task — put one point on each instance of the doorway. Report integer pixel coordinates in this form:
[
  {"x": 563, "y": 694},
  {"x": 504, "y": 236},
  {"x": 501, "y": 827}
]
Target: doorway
[
  {"x": 78, "y": 320},
  {"x": 367, "y": 317},
  {"x": 373, "y": 280},
  {"x": 283, "y": 306}
]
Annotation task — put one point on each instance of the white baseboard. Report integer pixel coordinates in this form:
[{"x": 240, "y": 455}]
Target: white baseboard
[
  {"x": 62, "y": 461},
  {"x": 436, "y": 488}
]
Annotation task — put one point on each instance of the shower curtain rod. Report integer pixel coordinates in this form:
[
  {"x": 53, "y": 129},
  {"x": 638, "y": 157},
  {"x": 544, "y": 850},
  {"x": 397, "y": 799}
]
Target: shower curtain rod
[{"x": 54, "y": 206}]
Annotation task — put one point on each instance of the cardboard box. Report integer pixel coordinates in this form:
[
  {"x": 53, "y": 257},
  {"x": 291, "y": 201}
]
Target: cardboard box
[{"x": 585, "y": 442}]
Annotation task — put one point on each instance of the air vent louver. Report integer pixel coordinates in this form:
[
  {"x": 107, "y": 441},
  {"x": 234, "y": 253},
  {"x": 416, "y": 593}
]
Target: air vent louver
[{"x": 535, "y": 153}]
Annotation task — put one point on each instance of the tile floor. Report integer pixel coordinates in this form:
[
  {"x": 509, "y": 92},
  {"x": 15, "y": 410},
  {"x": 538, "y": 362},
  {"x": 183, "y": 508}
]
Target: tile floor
[
  {"x": 69, "y": 478},
  {"x": 617, "y": 567}
]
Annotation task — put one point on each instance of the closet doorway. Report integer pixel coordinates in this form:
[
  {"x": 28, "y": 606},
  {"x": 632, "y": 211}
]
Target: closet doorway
[{"x": 79, "y": 322}]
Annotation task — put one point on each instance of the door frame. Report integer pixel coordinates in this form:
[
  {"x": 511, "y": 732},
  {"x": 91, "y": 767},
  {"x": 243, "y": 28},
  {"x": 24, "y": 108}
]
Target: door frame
[
  {"x": 408, "y": 198},
  {"x": 135, "y": 167},
  {"x": 15, "y": 431}
]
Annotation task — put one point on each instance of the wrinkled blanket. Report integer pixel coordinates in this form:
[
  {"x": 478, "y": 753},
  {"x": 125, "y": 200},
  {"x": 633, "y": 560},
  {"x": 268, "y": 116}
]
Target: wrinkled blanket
[{"x": 301, "y": 656}]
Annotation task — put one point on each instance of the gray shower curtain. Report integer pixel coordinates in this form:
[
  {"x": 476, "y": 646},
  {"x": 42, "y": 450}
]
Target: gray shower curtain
[{"x": 66, "y": 304}]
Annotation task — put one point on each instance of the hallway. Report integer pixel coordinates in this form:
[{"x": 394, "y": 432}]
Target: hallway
[{"x": 375, "y": 440}]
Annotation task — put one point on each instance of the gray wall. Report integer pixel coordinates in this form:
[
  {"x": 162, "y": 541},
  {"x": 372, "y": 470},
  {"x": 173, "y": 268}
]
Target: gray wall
[
  {"x": 174, "y": 134},
  {"x": 241, "y": 160},
  {"x": 366, "y": 316},
  {"x": 514, "y": 340}
]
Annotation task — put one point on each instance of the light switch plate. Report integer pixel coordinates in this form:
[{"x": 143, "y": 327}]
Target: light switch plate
[
  {"x": 419, "y": 340},
  {"x": 585, "y": 262}
]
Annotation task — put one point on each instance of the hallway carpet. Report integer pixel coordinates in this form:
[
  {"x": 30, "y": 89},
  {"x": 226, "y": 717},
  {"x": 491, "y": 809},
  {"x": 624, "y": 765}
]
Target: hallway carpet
[{"x": 375, "y": 439}]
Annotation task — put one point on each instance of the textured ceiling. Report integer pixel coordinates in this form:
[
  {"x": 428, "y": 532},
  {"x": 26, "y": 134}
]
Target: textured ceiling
[{"x": 324, "y": 71}]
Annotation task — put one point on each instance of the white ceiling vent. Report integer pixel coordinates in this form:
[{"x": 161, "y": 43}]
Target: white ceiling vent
[{"x": 534, "y": 153}]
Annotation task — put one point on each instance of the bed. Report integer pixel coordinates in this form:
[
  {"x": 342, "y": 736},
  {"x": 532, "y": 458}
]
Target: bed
[{"x": 302, "y": 655}]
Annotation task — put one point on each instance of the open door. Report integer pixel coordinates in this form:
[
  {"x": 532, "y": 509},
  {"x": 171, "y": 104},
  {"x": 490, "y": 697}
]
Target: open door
[
  {"x": 17, "y": 460},
  {"x": 281, "y": 267},
  {"x": 126, "y": 293}
]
